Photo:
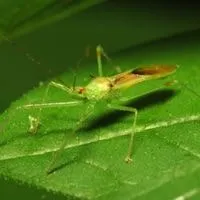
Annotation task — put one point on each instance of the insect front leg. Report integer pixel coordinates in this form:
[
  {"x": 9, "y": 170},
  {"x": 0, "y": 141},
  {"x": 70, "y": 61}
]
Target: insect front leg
[
  {"x": 100, "y": 51},
  {"x": 128, "y": 158},
  {"x": 34, "y": 121}
]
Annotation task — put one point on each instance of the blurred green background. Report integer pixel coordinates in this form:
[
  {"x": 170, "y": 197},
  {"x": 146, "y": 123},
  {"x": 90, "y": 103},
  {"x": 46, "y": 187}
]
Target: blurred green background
[{"x": 57, "y": 33}]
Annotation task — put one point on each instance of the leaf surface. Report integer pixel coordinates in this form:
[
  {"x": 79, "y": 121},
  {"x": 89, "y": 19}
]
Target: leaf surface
[{"x": 166, "y": 158}]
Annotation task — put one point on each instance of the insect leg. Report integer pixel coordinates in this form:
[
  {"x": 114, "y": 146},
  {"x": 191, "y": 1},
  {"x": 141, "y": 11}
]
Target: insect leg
[
  {"x": 135, "y": 112},
  {"x": 34, "y": 122},
  {"x": 89, "y": 110},
  {"x": 99, "y": 51}
]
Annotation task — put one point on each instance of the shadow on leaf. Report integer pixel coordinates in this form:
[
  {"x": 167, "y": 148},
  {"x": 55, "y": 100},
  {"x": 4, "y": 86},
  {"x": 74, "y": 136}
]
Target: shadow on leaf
[{"x": 149, "y": 100}]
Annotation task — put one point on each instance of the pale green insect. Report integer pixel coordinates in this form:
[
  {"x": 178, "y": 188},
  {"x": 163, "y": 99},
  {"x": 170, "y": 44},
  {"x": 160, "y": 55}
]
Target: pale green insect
[
  {"x": 100, "y": 88},
  {"x": 103, "y": 88}
]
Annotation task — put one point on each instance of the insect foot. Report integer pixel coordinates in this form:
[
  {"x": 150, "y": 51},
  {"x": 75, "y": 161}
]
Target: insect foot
[
  {"x": 34, "y": 124},
  {"x": 128, "y": 159}
]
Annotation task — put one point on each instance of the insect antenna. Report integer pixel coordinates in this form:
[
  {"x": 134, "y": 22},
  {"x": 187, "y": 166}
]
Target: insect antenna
[
  {"x": 74, "y": 82},
  {"x": 181, "y": 84},
  {"x": 188, "y": 88},
  {"x": 28, "y": 55}
]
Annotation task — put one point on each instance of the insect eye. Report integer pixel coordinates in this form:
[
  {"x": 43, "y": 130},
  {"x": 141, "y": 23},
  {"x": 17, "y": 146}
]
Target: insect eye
[
  {"x": 110, "y": 85},
  {"x": 81, "y": 90}
]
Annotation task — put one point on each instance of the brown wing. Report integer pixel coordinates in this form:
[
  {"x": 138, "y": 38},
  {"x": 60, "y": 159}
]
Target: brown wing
[{"x": 138, "y": 75}]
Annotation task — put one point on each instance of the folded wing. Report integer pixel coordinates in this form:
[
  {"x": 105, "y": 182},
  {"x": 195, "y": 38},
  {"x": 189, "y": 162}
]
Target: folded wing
[{"x": 137, "y": 75}]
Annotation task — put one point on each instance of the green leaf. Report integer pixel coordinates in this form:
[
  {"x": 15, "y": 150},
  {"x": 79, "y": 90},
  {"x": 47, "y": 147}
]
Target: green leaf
[
  {"x": 19, "y": 17},
  {"x": 166, "y": 157}
]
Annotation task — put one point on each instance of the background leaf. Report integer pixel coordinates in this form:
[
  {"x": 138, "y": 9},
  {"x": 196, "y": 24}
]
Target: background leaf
[{"x": 19, "y": 17}]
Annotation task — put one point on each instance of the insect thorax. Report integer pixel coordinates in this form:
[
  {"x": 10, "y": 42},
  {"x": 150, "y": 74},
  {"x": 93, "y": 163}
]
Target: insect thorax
[{"x": 98, "y": 88}]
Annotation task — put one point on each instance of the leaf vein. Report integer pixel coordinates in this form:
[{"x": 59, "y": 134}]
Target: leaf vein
[{"x": 106, "y": 136}]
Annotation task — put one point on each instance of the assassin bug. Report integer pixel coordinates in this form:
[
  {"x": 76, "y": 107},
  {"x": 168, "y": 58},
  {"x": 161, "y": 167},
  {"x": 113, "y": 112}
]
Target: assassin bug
[
  {"x": 104, "y": 88},
  {"x": 101, "y": 88}
]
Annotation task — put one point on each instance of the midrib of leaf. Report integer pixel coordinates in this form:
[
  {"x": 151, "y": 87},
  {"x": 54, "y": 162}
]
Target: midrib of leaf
[{"x": 4, "y": 155}]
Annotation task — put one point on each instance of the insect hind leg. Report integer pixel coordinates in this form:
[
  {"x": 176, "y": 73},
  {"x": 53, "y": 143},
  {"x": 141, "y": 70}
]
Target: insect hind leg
[{"x": 128, "y": 158}]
